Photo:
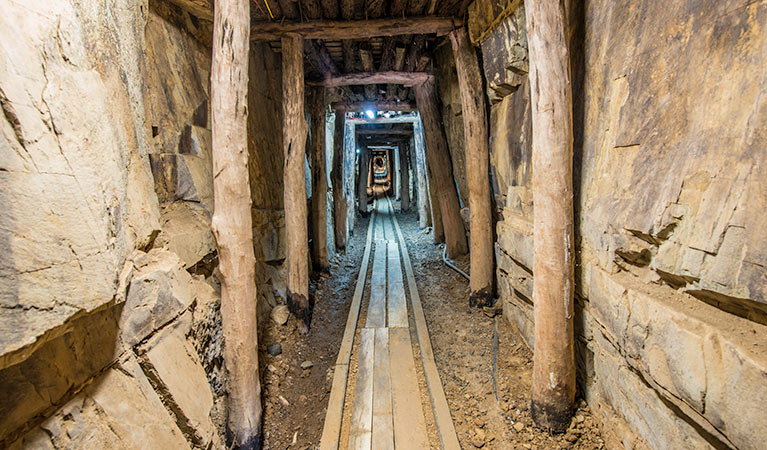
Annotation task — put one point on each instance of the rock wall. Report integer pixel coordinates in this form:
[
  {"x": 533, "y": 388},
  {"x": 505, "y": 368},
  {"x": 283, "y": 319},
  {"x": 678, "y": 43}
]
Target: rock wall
[
  {"x": 452, "y": 120},
  {"x": 670, "y": 113},
  {"x": 110, "y": 330},
  {"x": 265, "y": 164}
]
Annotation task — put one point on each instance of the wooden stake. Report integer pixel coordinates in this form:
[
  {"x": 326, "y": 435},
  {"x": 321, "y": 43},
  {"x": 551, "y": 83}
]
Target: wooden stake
[
  {"x": 553, "y": 385},
  {"x": 438, "y": 160},
  {"x": 404, "y": 189},
  {"x": 474, "y": 112},
  {"x": 337, "y": 178},
  {"x": 294, "y": 144},
  {"x": 231, "y": 222},
  {"x": 319, "y": 182}
]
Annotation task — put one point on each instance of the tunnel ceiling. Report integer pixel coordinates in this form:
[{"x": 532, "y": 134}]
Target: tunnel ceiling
[{"x": 329, "y": 57}]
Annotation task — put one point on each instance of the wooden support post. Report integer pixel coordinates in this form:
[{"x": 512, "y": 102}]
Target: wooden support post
[
  {"x": 294, "y": 145},
  {"x": 231, "y": 223},
  {"x": 404, "y": 177},
  {"x": 393, "y": 175},
  {"x": 553, "y": 385},
  {"x": 438, "y": 160},
  {"x": 421, "y": 190},
  {"x": 362, "y": 181},
  {"x": 319, "y": 182},
  {"x": 337, "y": 178},
  {"x": 435, "y": 217},
  {"x": 474, "y": 112}
]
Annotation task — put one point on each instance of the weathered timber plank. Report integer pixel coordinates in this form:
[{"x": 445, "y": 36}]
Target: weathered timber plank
[
  {"x": 409, "y": 422},
  {"x": 362, "y": 409},
  {"x": 331, "y": 430},
  {"x": 367, "y": 78},
  {"x": 383, "y": 428},
  {"x": 396, "y": 295},
  {"x": 377, "y": 305},
  {"x": 376, "y": 106},
  {"x": 354, "y": 29},
  {"x": 442, "y": 417}
]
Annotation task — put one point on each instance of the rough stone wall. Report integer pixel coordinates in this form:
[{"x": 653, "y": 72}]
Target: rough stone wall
[
  {"x": 670, "y": 114},
  {"x": 108, "y": 334},
  {"x": 265, "y": 164},
  {"x": 452, "y": 120}
]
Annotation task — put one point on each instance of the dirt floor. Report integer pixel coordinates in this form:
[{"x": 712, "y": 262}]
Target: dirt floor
[
  {"x": 295, "y": 399},
  {"x": 463, "y": 339}
]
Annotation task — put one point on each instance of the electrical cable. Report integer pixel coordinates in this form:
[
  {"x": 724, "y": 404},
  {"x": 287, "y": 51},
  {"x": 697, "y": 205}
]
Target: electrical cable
[{"x": 450, "y": 264}]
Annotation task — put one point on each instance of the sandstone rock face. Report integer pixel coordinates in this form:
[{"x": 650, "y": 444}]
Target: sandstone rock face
[
  {"x": 118, "y": 410},
  {"x": 66, "y": 224},
  {"x": 104, "y": 154},
  {"x": 186, "y": 232},
  {"x": 159, "y": 291},
  {"x": 670, "y": 276},
  {"x": 175, "y": 371},
  {"x": 452, "y": 119}
]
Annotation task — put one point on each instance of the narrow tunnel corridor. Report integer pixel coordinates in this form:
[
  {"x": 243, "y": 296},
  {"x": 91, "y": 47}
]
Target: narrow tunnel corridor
[{"x": 347, "y": 224}]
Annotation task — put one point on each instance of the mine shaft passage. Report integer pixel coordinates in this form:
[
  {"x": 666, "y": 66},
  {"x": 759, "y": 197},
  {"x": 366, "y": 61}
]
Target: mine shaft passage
[{"x": 383, "y": 224}]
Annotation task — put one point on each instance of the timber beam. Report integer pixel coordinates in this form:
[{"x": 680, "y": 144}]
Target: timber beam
[
  {"x": 386, "y": 132},
  {"x": 406, "y": 79},
  {"x": 377, "y": 106},
  {"x": 354, "y": 29}
]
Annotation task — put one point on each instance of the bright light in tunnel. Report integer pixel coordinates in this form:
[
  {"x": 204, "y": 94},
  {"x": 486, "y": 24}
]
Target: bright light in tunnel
[
  {"x": 370, "y": 113},
  {"x": 358, "y": 151}
]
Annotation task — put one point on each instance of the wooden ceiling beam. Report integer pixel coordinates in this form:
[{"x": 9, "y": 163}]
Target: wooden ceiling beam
[
  {"x": 355, "y": 29},
  {"x": 202, "y": 9},
  {"x": 378, "y": 106},
  {"x": 405, "y": 118},
  {"x": 385, "y": 132},
  {"x": 367, "y": 78}
]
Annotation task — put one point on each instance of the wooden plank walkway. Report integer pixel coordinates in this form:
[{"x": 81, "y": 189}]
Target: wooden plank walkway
[{"x": 386, "y": 408}]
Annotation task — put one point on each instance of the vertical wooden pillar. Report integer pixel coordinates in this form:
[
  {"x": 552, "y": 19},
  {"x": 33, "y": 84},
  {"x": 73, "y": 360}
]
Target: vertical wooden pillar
[
  {"x": 319, "y": 182},
  {"x": 438, "y": 160},
  {"x": 424, "y": 216},
  {"x": 390, "y": 170},
  {"x": 231, "y": 222},
  {"x": 474, "y": 112},
  {"x": 337, "y": 178},
  {"x": 362, "y": 181},
  {"x": 435, "y": 215},
  {"x": 294, "y": 146},
  {"x": 404, "y": 177},
  {"x": 553, "y": 385}
]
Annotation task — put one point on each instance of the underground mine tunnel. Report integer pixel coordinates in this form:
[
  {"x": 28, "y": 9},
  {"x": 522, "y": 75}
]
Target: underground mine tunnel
[{"x": 411, "y": 224}]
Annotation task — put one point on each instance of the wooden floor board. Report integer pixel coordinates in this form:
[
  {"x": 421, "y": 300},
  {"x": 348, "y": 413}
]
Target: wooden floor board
[
  {"x": 362, "y": 408},
  {"x": 397, "y": 306},
  {"x": 377, "y": 305},
  {"x": 409, "y": 422},
  {"x": 383, "y": 428}
]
